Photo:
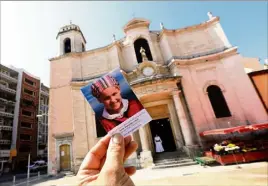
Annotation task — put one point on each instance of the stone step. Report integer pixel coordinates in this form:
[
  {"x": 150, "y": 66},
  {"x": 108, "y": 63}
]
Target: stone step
[
  {"x": 170, "y": 155},
  {"x": 174, "y": 165},
  {"x": 172, "y": 162},
  {"x": 171, "y": 158}
]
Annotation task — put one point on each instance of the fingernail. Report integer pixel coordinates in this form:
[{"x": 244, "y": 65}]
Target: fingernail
[{"x": 117, "y": 138}]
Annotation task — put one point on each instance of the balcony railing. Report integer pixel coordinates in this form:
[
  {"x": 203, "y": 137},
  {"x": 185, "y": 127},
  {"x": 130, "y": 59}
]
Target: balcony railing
[
  {"x": 4, "y": 153},
  {"x": 44, "y": 93},
  {"x": 8, "y": 102},
  {"x": 4, "y": 88},
  {"x": 6, "y": 127},
  {"x": 8, "y": 78},
  {"x": 6, "y": 114},
  {"x": 5, "y": 142}
]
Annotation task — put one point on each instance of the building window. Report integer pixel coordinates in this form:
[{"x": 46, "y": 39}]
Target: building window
[
  {"x": 67, "y": 45},
  {"x": 25, "y": 148},
  {"x": 27, "y": 102},
  {"x": 218, "y": 102},
  {"x": 144, "y": 44},
  {"x": 25, "y": 137},
  {"x": 26, "y": 125},
  {"x": 99, "y": 129},
  {"x": 29, "y": 92},
  {"x": 29, "y": 82},
  {"x": 26, "y": 113}
]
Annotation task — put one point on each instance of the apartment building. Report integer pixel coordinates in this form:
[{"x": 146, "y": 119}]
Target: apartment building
[
  {"x": 23, "y": 99},
  {"x": 43, "y": 122},
  {"x": 8, "y": 91},
  {"x": 27, "y": 121}
]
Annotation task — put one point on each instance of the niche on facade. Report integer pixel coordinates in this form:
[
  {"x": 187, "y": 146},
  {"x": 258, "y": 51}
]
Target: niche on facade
[{"x": 141, "y": 42}]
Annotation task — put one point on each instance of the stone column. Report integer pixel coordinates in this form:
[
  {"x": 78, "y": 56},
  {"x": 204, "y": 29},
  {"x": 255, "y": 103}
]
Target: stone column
[
  {"x": 185, "y": 125},
  {"x": 146, "y": 158}
]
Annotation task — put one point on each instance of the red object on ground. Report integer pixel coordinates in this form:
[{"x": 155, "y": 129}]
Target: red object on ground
[
  {"x": 240, "y": 129},
  {"x": 222, "y": 131},
  {"x": 242, "y": 157},
  {"x": 209, "y": 154},
  {"x": 230, "y": 158}
]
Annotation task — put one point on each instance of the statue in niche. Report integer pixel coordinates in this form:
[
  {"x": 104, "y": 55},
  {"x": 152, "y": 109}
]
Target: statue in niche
[{"x": 143, "y": 54}]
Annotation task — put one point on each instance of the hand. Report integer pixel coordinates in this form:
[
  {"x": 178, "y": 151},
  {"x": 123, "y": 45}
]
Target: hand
[{"x": 98, "y": 169}]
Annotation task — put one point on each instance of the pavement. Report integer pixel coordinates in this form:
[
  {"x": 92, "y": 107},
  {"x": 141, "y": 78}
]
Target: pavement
[{"x": 251, "y": 174}]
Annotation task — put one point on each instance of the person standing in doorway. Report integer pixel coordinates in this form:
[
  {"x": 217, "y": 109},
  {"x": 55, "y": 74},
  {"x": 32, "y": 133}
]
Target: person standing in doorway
[{"x": 158, "y": 144}]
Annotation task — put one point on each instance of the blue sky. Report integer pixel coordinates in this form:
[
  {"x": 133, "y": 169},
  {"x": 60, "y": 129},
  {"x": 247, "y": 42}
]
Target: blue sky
[{"x": 29, "y": 29}]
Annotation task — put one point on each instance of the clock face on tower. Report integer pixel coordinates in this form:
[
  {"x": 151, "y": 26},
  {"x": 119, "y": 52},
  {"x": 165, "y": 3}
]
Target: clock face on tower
[{"x": 148, "y": 71}]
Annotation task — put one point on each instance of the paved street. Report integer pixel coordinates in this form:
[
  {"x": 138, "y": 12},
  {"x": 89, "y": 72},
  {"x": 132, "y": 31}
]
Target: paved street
[{"x": 251, "y": 174}]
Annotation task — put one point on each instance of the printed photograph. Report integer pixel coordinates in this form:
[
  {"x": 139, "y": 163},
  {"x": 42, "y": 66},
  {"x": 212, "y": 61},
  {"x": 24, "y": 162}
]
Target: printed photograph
[{"x": 114, "y": 104}]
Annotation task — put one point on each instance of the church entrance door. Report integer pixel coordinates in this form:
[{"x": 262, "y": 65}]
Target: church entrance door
[{"x": 162, "y": 128}]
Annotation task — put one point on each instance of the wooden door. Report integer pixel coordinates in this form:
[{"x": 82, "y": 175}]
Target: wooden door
[{"x": 65, "y": 159}]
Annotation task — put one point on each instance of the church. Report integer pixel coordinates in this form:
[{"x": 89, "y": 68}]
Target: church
[{"x": 189, "y": 79}]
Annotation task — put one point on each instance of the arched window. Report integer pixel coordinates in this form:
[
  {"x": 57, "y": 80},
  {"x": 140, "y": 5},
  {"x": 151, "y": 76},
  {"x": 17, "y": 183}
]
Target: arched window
[
  {"x": 83, "y": 47},
  {"x": 144, "y": 44},
  {"x": 218, "y": 102},
  {"x": 67, "y": 45}
]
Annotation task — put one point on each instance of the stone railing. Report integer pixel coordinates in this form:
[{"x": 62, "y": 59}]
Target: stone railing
[
  {"x": 5, "y": 101},
  {"x": 44, "y": 93},
  {"x": 217, "y": 50},
  {"x": 4, "y": 153},
  {"x": 4, "y": 141},
  {"x": 7, "y": 77},
  {"x": 6, "y": 127},
  {"x": 4, "y": 88},
  {"x": 6, "y": 114}
]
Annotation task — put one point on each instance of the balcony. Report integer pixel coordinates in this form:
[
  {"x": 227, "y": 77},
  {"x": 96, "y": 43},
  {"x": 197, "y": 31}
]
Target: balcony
[
  {"x": 8, "y": 78},
  {"x": 5, "y": 142},
  {"x": 7, "y": 102},
  {"x": 6, "y": 127},
  {"x": 4, "y": 153},
  {"x": 6, "y": 114},
  {"x": 44, "y": 93},
  {"x": 6, "y": 89}
]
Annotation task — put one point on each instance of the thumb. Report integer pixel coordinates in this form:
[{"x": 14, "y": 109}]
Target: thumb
[{"x": 115, "y": 152}]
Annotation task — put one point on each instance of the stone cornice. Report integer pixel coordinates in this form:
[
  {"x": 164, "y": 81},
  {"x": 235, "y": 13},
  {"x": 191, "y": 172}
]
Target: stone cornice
[
  {"x": 63, "y": 135},
  {"x": 140, "y": 23},
  {"x": 189, "y": 28},
  {"x": 136, "y": 23},
  {"x": 212, "y": 57},
  {"x": 162, "y": 79},
  {"x": 78, "y": 85},
  {"x": 79, "y": 54}
]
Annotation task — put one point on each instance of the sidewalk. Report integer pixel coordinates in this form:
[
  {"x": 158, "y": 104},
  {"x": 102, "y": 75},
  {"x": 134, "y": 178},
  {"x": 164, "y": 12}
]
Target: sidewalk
[{"x": 251, "y": 174}]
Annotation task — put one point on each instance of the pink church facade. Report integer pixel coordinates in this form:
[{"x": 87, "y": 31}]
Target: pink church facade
[{"x": 193, "y": 80}]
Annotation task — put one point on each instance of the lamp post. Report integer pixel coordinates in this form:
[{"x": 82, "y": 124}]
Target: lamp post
[{"x": 28, "y": 169}]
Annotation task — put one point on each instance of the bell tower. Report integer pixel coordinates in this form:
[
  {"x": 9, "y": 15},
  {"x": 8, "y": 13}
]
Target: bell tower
[{"x": 71, "y": 39}]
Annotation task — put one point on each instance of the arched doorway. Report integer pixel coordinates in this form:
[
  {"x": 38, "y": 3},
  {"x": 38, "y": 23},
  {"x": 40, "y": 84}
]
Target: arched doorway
[
  {"x": 65, "y": 158},
  {"x": 162, "y": 128},
  {"x": 144, "y": 44}
]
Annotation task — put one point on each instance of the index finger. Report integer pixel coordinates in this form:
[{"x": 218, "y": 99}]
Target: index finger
[{"x": 98, "y": 151}]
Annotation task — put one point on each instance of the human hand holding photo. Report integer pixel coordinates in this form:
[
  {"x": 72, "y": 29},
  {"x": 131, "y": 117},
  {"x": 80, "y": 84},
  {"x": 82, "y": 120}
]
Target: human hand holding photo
[{"x": 104, "y": 163}]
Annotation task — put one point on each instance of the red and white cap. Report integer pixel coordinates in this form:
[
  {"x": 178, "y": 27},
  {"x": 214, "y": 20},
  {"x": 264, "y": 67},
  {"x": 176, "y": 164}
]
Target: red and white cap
[{"x": 102, "y": 83}]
